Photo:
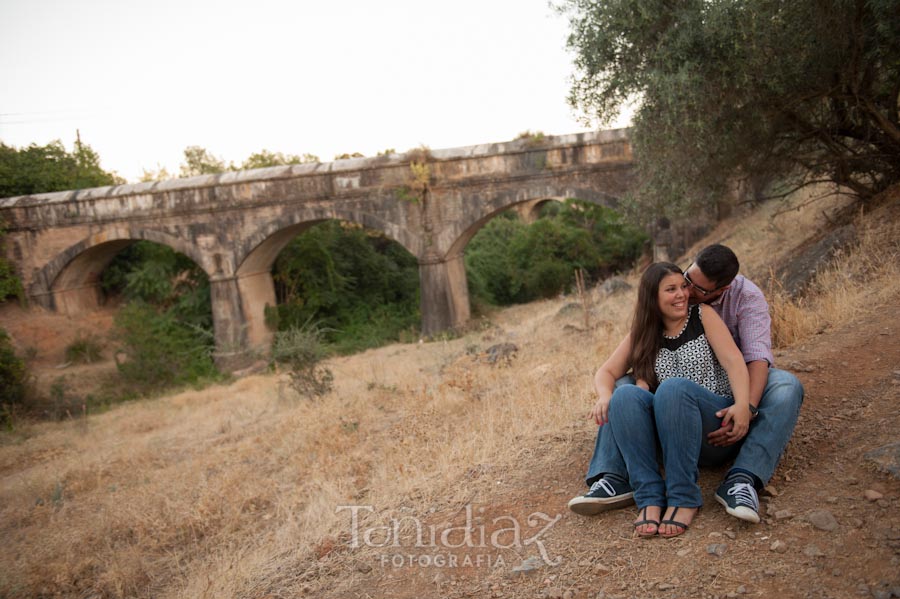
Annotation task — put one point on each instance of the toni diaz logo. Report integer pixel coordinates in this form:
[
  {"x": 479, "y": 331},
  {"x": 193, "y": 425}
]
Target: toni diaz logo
[{"x": 500, "y": 532}]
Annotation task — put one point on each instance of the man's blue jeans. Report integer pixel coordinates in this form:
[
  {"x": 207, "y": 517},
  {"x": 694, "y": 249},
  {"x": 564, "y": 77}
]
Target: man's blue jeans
[{"x": 758, "y": 453}]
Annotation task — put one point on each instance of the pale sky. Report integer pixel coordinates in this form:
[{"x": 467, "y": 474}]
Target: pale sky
[{"x": 144, "y": 80}]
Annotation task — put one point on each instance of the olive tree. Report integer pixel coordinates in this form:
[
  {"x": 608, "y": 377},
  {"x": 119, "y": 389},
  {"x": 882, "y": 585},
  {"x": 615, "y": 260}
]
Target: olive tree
[{"x": 785, "y": 91}]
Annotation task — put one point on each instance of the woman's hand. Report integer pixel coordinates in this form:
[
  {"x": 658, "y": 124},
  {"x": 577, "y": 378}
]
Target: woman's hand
[
  {"x": 642, "y": 384},
  {"x": 605, "y": 380},
  {"x": 600, "y": 411},
  {"x": 739, "y": 417}
]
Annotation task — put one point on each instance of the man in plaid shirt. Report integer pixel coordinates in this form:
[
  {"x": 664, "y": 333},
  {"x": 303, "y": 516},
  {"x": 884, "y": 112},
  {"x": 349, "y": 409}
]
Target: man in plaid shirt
[{"x": 775, "y": 399}]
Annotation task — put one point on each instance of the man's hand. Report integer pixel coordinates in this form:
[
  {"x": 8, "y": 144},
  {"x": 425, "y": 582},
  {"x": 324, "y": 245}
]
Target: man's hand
[
  {"x": 722, "y": 437},
  {"x": 725, "y": 434}
]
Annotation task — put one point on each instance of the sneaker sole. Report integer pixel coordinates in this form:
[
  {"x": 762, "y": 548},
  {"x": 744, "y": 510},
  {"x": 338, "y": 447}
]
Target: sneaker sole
[
  {"x": 740, "y": 512},
  {"x": 591, "y": 506}
]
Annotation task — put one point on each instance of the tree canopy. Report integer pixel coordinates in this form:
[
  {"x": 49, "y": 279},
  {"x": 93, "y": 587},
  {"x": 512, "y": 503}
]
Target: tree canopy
[
  {"x": 791, "y": 92},
  {"x": 41, "y": 169},
  {"x": 265, "y": 158},
  {"x": 200, "y": 161}
]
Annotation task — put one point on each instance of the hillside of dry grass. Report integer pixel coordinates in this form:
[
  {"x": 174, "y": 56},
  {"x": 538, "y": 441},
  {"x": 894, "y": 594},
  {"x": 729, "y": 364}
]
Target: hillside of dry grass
[{"x": 236, "y": 490}]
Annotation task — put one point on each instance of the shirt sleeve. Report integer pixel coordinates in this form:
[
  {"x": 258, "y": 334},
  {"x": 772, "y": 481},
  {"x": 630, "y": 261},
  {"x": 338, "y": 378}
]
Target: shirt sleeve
[{"x": 754, "y": 326}]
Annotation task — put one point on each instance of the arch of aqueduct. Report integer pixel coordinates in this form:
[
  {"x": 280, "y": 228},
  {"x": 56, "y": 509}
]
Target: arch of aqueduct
[{"x": 233, "y": 225}]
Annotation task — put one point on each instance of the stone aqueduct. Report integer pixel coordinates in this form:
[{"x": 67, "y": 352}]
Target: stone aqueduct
[{"x": 233, "y": 225}]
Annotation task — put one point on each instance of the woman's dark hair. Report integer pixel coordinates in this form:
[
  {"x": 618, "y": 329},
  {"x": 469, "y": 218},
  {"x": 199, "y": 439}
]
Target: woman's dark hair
[
  {"x": 647, "y": 324},
  {"x": 718, "y": 263}
]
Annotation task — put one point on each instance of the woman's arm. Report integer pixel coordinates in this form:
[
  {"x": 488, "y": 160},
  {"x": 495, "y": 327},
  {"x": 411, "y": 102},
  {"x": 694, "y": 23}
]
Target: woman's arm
[
  {"x": 732, "y": 360},
  {"x": 613, "y": 369}
]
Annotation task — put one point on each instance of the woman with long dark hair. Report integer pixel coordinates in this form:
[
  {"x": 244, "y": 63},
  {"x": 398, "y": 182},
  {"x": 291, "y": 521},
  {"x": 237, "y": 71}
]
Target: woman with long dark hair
[{"x": 686, "y": 366}]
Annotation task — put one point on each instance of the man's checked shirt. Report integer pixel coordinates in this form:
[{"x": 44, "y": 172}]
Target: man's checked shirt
[{"x": 745, "y": 312}]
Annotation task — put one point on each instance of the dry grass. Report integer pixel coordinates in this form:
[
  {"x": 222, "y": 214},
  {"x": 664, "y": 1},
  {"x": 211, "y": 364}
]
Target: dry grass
[
  {"x": 207, "y": 492},
  {"x": 856, "y": 282},
  {"x": 233, "y": 490}
]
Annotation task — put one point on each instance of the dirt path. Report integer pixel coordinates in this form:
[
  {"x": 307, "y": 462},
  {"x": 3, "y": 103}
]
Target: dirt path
[{"x": 831, "y": 525}]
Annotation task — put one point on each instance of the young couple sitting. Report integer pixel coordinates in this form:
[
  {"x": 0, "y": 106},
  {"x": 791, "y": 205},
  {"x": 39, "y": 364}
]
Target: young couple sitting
[{"x": 702, "y": 390}]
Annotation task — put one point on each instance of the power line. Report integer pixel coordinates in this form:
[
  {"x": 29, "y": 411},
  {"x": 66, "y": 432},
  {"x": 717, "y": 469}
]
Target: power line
[{"x": 52, "y": 111}]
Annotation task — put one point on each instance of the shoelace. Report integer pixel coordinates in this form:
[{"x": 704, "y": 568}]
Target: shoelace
[
  {"x": 602, "y": 484},
  {"x": 745, "y": 494}
]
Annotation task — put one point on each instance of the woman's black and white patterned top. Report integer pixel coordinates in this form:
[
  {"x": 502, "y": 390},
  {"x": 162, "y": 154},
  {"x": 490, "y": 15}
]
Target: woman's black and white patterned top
[{"x": 690, "y": 356}]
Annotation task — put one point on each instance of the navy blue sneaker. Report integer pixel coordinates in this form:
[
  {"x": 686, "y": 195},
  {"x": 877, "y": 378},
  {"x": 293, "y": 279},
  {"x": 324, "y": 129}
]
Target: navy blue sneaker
[
  {"x": 739, "y": 498},
  {"x": 605, "y": 494}
]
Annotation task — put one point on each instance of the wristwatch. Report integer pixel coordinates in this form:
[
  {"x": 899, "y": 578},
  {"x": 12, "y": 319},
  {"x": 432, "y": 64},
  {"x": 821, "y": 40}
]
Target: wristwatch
[{"x": 754, "y": 411}]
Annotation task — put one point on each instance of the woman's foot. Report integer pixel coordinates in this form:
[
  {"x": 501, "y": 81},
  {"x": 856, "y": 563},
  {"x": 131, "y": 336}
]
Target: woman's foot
[
  {"x": 676, "y": 521},
  {"x": 647, "y": 523}
]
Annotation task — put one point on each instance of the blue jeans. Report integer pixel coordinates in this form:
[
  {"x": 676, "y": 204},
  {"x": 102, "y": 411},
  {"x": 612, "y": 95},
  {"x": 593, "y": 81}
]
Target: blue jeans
[
  {"x": 758, "y": 453},
  {"x": 632, "y": 428},
  {"x": 679, "y": 413}
]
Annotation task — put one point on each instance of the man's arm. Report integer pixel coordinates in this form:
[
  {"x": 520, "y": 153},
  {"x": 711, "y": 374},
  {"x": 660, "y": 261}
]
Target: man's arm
[
  {"x": 759, "y": 376},
  {"x": 754, "y": 329},
  {"x": 754, "y": 326}
]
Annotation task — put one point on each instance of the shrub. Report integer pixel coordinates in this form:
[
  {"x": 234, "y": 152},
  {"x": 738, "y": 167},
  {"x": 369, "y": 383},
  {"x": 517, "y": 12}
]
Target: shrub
[
  {"x": 10, "y": 285},
  {"x": 84, "y": 350},
  {"x": 301, "y": 350},
  {"x": 160, "y": 350},
  {"x": 360, "y": 286},
  {"x": 489, "y": 262},
  {"x": 547, "y": 278},
  {"x": 165, "y": 330},
  {"x": 13, "y": 373},
  {"x": 158, "y": 275}
]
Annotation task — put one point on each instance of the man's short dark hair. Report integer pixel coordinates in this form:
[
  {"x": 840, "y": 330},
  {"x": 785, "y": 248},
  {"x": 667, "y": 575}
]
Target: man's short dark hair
[{"x": 718, "y": 263}]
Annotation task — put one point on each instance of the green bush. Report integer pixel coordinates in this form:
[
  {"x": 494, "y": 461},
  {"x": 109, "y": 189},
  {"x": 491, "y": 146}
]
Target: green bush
[
  {"x": 509, "y": 261},
  {"x": 84, "y": 350},
  {"x": 13, "y": 374},
  {"x": 490, "y": 266},
  {"x": 361, "y": 287},
  {"x": 159, "y": 350},
  {"x": 547, "y": 278},
  {"x": 10, "y": 285},
  {"x": 165, "y": 329},
  {"x": 158, "y": 275},
  {"x": 373, "y": 326}
]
